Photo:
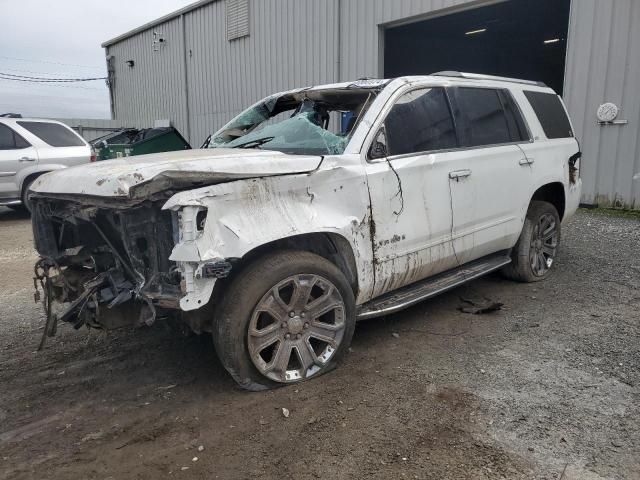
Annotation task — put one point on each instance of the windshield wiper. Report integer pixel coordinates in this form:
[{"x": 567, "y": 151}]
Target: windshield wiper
[{"x": 254, "y": 143}]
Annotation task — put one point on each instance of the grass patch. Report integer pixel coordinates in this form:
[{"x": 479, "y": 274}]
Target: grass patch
[{"x": 613, "y": 212}]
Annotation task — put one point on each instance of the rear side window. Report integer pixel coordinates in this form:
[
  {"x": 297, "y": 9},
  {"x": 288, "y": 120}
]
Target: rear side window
[
  {"x": 420, "y": 121},
  {"x": 517, "y": 128},
  {"x": 10, "y": 140},
  {"x": 53, "y": 134},
  {"x": 551, "y": 114},
  {"x": 481, "y": 118}
]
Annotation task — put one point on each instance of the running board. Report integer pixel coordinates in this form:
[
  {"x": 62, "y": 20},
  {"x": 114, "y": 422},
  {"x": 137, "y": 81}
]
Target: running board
[{"x": 416, "y": 292}]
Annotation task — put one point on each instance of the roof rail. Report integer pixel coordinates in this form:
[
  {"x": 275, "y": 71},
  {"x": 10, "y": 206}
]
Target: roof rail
[{"x": 477, "y": 76}]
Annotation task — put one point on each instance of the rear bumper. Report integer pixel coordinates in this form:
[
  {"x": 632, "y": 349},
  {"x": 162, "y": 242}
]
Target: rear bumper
[{"x": 572, "y": 194}]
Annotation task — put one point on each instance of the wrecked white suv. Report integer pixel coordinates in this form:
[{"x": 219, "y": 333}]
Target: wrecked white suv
[{"x": 311, "y": 210}]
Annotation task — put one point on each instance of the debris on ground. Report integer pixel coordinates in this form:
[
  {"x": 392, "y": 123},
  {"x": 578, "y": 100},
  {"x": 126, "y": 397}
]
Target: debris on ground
[
  {"x": 168, "y": 387},
  {"x": 285, "y": 412},
  {"x": 480, "y": 308}
]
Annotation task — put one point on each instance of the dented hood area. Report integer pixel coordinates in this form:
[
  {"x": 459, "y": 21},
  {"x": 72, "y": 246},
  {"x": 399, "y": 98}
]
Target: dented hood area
[{"x": 141, "y": 176}]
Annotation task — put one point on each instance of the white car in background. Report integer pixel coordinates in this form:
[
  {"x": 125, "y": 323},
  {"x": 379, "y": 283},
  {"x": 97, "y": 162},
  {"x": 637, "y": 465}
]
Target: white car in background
[{"x": 31, "y": 147}]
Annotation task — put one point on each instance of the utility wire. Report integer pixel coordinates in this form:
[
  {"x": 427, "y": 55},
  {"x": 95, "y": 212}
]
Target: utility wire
[
  {"x": 48, "y": 74},
  {"x": 48, "y": 84},
  {"x": 24, "y": 78},
  {"x": 51, "y": 63}
]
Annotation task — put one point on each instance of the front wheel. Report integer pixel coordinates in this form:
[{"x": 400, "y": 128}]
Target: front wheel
[
  {"x": 534, "y": 254},
  {"x": 285, "y": 318},
  {"x": 26, "y": 201}
]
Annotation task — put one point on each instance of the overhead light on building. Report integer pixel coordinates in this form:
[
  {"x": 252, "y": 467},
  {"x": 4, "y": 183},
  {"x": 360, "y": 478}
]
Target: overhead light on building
[
  {"x": 473, "y": 32},
  {"x": 551, "y": 40}
]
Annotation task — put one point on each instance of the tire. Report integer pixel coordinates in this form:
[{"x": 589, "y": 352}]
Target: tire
[
  {"x": 26, "y": 203},
  {"x": 533, "y": 256},
  {"x": 278, "y": 294}
]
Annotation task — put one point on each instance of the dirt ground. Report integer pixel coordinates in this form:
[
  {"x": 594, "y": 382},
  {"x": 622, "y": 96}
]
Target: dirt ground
[{"x": 548, "y": 387}]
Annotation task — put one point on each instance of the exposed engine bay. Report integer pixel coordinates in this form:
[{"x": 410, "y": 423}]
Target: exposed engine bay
[{"x": 96, "y": 260}]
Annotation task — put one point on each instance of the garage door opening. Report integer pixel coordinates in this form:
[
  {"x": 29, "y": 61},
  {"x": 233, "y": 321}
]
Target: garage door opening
[{"x": 516, "y": 38}]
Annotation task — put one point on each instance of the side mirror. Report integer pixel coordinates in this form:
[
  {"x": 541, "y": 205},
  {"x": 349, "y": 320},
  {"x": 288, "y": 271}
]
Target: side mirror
[{"x": 379, "y": 146}]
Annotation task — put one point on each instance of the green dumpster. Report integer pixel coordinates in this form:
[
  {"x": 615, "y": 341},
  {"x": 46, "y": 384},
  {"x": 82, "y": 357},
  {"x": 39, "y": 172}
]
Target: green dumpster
[{"x": 129, "y": 142}]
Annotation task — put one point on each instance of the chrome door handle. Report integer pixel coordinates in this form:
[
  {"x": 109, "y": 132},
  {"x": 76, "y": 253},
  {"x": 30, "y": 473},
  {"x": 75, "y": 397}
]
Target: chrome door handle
[
  {"x": 26, "y": 159},
  {"x": 527, "y": 161},
  {"x": 458, "y": 174}
]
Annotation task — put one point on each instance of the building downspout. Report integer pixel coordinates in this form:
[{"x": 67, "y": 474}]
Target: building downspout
[
  {"x": 111, "y": 81},
  {"x": 187, "y": 113}
]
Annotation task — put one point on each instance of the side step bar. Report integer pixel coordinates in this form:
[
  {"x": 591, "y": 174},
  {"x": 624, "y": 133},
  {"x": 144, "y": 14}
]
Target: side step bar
[{"x": 405, "y": 297}]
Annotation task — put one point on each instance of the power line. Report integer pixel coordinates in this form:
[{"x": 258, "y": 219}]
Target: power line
[
  {"x": 24, "y": 78},
  {"x": 21, "y": 70},
  {"x": 51, "y": 63},
  {"x": 62, "y": 84}
]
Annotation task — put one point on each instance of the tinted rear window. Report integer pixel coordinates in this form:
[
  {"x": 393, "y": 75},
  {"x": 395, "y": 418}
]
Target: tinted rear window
[
  {"x": 10, "y": 140},
  {"x": 53, "y": 134},
  {"x": 480, "y": 117},
  {"x": 551, "y": 114}
]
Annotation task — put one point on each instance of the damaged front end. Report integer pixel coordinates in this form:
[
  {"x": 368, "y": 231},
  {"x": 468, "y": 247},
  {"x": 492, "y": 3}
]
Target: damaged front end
[{"x": 105, "y": 267}]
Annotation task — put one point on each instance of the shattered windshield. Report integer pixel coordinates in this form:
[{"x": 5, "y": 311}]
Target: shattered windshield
[{"x": 317, "y": 122}]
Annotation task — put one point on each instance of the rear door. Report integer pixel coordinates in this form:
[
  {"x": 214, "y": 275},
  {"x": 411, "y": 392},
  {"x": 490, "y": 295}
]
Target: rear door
[
  {"x": 492, "y": 187},
  {"x": 15, "y": 154}
]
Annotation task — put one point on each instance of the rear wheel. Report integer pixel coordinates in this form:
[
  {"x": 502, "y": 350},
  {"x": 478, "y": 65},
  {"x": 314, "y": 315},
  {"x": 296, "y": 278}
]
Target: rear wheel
[
  {"x": 534, "y": 254},
  {"x": 285, "y": 318}
]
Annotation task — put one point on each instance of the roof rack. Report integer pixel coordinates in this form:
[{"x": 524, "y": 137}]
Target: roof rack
[{"x": 477, "y": 76}]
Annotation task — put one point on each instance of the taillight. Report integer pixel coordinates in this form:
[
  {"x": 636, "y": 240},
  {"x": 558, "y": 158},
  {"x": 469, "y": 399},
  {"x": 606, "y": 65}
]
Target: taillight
[
  {"x": 93, "y": 157},
  {"x": 574, "y": 167}
]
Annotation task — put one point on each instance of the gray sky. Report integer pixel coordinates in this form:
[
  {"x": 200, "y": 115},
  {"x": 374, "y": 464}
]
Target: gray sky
[{"x": 61, "y": 39}]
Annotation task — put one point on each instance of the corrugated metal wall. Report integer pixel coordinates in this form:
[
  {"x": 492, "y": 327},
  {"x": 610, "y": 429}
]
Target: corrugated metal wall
[
  {"x": 154, "y": 87},
  {"x": 293, "y": 43},
  {"x": 603, "y": 65}
]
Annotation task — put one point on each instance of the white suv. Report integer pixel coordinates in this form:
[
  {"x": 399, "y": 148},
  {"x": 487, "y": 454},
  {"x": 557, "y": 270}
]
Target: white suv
[
  {"x": 310, "y": 210},
  {"x": 31, "y": 147}
]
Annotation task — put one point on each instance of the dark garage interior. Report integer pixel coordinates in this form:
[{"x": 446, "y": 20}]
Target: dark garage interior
[{"x": 516, "y": 38}]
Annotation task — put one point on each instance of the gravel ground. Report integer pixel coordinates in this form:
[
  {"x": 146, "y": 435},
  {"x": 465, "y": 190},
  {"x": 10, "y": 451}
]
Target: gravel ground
[{"x": 547, "y": 388}]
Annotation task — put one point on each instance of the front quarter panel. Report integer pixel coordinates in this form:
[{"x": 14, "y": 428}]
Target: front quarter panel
[{"x": 243, "y": 215}]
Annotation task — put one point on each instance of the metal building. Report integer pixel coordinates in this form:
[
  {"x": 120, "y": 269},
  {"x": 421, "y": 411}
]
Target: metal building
[{"x": 201, "y": 65}]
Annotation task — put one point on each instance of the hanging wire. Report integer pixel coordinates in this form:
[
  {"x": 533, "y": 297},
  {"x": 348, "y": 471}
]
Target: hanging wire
[
  {"x": 25, "y": 78},
  {"x": 95, "y": 67}
]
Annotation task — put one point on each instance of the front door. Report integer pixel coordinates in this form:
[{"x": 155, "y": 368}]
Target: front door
[{"x": 408, "y": 177}]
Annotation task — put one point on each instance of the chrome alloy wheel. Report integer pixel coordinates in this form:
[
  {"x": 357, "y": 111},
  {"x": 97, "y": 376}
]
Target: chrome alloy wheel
[
  {"x": 296, "y": 328},
  {"x": 544, "y": 244}
]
